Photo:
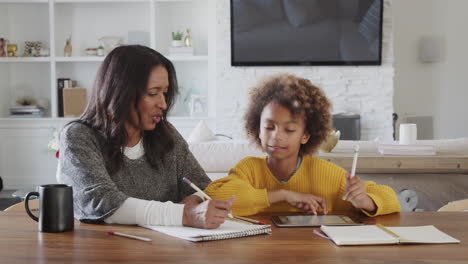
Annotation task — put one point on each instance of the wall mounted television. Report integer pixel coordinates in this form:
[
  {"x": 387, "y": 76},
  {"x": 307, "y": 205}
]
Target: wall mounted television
[{"x": 306, "y": 32}]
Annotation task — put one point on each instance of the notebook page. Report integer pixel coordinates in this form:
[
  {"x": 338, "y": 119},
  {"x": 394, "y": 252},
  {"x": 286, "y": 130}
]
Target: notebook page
[
  {"x": 422, "y": 234},
  {"x": 358, "y": 235},
  {"x": 229, "y": 229}
]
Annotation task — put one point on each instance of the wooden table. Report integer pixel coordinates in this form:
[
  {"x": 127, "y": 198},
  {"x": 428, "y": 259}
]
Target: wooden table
[{"x": 20, "y": 242}]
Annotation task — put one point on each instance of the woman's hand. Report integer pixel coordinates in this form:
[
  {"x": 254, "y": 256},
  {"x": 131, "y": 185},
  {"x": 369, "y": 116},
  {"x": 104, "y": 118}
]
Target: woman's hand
[
  {"x": 355, "y": 192},
  {"x": 191, "y": 200},
  {"x": 307, "y": 202},
  {"x": 209, "y": 214}
]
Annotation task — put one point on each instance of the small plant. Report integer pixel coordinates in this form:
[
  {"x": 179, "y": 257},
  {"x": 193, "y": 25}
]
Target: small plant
[
  {"x": 100, "y": 47},
  {"x": 177, "y": 35}
]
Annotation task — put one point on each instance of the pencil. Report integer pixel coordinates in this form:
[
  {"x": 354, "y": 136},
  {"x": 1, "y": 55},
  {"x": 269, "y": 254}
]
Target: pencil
[
  {"x": 353, "y": 168},
  {"x": 129, "y": 236},
  {"x": 249, "y": 220},
  {"x": 388, "y": 231},
  {"x": 200, "y": 191}
]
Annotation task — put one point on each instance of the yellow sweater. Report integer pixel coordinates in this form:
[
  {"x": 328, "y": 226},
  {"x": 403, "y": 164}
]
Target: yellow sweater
[{"x": 251, "y": 178}]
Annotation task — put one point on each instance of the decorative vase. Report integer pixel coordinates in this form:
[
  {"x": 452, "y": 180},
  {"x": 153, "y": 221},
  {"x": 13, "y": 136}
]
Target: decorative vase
[
  {"x": 188, "y": 39},
  {"x": 330, "y": 142},
  {"x": 67, "y": 51}
]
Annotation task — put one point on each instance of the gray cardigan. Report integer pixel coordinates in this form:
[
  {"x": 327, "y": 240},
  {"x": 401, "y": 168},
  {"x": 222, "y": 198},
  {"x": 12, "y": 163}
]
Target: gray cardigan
[{"x": 97, "y": 195}]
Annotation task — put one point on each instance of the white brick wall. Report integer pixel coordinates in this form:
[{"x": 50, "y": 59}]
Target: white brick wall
[{"x": 366, "y": 90}]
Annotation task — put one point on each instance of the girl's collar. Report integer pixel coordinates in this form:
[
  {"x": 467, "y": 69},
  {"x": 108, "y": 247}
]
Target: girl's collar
[{"x": 298, "y": 165}]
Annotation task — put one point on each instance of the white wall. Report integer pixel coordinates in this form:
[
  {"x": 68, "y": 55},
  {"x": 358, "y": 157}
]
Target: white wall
[
  {"x": 438, "y": 89},
  {"x": 366, "y": 90}
]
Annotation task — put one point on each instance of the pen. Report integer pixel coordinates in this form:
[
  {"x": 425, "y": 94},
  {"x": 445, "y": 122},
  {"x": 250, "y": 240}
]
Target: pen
[
  {"x": 129, "y": 236},
  {"x": 353, "y": 168},
  {"x": 200, "y": 191}
]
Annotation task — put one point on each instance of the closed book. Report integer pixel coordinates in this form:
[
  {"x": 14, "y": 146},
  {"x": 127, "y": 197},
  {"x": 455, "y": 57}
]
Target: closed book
[
  {"x": 74, "y": 101},
  {"x": 26, "y": 109},
  {"x": 61, "y": 84},
  {"x": 380, "y": 235}
]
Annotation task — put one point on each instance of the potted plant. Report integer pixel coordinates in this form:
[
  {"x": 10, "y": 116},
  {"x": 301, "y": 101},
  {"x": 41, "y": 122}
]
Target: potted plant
[
  {"x": 100, "y": 50},
  {"x": 177, "y": 39}
]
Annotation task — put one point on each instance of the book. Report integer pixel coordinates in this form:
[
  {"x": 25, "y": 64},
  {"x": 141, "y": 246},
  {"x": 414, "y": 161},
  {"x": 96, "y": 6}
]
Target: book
[
  {"x": 379, "y": 235},
  {"x": 61, "y": 84},
  {"x": 411, "y": 150},
  {"x": 229, "y": 229}
]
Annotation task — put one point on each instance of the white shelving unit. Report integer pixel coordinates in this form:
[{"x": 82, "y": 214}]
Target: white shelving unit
[
  {"x": 24, "y": 158},
  {"x": 88, "y": 20}
]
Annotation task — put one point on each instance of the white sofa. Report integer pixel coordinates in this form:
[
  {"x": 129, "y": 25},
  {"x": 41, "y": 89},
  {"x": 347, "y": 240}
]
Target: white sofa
[{"x": 432, "y": 190}]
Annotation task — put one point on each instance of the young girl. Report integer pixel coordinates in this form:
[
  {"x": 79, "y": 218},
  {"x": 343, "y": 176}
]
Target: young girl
[{"x": 288, "y": 118}]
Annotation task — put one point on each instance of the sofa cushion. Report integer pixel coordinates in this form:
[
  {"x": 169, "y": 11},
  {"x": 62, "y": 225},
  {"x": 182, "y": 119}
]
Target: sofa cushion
[
  {"x": 301, "y": 12},
  {"x": 222, "y": 155}
]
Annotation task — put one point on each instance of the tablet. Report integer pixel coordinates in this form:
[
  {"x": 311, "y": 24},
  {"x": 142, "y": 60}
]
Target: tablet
[{"x": 313, "y": 220}]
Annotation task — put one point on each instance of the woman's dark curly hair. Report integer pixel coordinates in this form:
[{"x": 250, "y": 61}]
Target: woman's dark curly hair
[{"x": 301, "y": 97}]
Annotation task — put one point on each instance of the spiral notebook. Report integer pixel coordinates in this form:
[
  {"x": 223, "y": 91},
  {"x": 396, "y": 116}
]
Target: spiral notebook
[{"x": 230, "y": 229}]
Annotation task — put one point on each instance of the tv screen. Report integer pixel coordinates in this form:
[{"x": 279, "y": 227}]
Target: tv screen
[{"x": 306, "y": 32}]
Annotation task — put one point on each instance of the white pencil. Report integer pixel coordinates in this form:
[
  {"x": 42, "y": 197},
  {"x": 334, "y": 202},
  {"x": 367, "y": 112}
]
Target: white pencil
[
  {"x": 200, "y": 191},
  {"x": 353, "y": 168},
  {"x": 129, "y": 236}
]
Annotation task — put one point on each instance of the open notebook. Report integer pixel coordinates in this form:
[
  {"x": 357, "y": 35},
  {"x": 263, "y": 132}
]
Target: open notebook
[
  {"x": 378, "y": 234},
  {"x": 230, "y": 229}
]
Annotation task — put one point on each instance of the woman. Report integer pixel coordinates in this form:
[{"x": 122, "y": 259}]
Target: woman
[{"x": 123, "y": 158}]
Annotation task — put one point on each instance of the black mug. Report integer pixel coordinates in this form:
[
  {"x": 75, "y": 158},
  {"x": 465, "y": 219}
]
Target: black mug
[{"x": 55, "y": 208}]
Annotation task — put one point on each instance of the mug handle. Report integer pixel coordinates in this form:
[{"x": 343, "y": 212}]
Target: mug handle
[{"x": 26, "y": 205}]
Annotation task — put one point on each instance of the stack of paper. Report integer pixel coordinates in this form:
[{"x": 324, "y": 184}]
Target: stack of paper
[
  {"x": 27, "y": 111},
  {"x": 410, "y": 150}
]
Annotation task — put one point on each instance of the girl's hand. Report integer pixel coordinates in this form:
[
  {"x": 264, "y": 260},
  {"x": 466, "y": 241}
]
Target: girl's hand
[
  {"x": 209, "y": 214},
  {"x": 355, "y": 192},
  {"x": 307, "y": 202}
]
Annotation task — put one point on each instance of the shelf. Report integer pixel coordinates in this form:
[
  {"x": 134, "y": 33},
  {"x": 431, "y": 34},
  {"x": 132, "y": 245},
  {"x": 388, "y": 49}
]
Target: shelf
[
  {"x": 25, "y": 59},
  {"x": 187, "y": 57},
  {"x": 100, "y": 1},
  {"x": 24, "y": 1},
  {"x": 168, "y": 1},
  {"x": 68, "y": 119},
  {"x": 100, "y": 59},
  {"x": 80, "y": 59}
]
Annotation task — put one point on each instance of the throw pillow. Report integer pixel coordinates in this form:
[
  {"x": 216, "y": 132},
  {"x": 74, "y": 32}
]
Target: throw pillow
[
  {"x": 301, "y": 12},
  {"x": 201, "y": 133}
]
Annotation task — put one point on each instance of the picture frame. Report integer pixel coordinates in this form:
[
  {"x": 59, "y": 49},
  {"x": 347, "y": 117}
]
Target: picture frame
[{"x": 198, "y": 106}]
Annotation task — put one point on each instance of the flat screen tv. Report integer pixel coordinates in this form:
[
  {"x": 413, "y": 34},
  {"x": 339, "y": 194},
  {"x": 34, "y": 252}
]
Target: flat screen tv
[{"x": 306, "y": 32}]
